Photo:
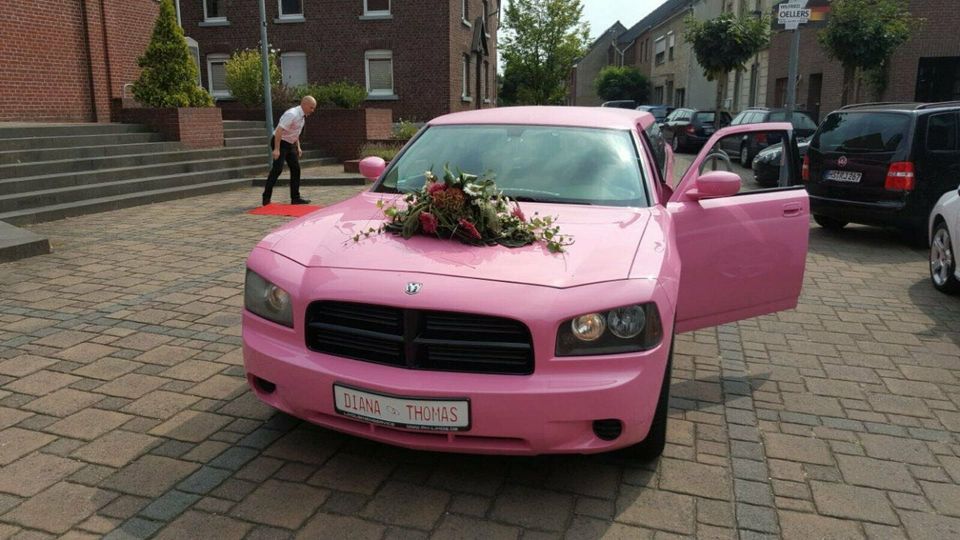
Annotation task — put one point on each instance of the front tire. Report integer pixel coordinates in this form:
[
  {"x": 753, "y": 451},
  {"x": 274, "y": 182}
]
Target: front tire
[
  {"x": 675, "y": 143},
  {"x": 745, "y": 158},
  {"x": 943, "y": 262},
  {"x": 652, "y": 446},
  {"x": 829, "y": 223}
]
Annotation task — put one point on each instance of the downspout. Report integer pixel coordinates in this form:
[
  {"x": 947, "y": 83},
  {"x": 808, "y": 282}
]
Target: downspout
[
  {"x": 624, "y": 51},
  {"x": 106, "y": 54},
  {"x": 86, "y": 37}
]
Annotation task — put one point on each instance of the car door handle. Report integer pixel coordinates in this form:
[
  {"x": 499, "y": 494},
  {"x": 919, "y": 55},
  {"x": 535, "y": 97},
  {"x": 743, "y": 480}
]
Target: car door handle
[{"x": 792, "y": 209}]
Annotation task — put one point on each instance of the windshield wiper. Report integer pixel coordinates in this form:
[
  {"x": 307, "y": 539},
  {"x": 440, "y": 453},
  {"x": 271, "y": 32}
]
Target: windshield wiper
[{"x": 552, "y": 200}]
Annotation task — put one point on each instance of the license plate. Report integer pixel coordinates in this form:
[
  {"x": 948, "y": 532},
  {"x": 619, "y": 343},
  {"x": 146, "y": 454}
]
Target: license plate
[
  {"x": 842, "y": 176},
  {"x": 431, "y": 414}
]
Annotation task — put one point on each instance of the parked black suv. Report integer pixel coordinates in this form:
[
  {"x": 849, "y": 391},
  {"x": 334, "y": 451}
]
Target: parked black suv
[
  {"x": 745, "y": 148},
  {"x": 883, "y": 164},
  {"x": 689, "y": 129}
]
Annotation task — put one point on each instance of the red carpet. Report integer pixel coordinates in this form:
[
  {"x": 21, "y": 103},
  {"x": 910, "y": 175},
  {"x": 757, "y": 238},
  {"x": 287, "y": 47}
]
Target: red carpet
[{"x": 277, "y": 209}]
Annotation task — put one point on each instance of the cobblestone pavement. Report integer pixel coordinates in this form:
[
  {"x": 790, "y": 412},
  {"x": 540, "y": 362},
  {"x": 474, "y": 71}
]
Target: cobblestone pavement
[{"x": 123, "y": 410}]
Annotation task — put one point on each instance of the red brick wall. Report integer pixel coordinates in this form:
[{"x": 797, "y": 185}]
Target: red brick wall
[
  {"x": 426, "y": 78},
  {"x": 341, "y": 132},
  {"x": 59, "y": 58},
  {"x": 195, "y": 127},
  {"x": 937, "y": 37}
]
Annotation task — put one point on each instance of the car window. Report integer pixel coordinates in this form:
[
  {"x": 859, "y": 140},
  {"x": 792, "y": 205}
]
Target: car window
[
  {"x": 862, "y": 132},
  {"x": 706, "y": 117},
  {"x": 540, "y": 163},
  {"x": 753, "y": 118},
  {"x": 799, "y": 120},
  {"x": 942, "y": 132},
  {"x": 738, "y": 119},
  {"x": 658, "y": 146}
]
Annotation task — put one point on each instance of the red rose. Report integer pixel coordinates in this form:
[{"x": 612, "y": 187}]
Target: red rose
[
  {"x": 428, "y": 222},
  {"x": 435, "y": 187},
  {"x": 518, "y": 213},
  {"x": 470, "y": 228}
]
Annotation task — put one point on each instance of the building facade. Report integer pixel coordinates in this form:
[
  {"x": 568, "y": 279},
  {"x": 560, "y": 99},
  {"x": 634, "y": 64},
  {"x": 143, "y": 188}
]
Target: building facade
[
  {"x": 747, "y": 87},
  {"x": 585, "y": 71},
  {"x": 66, "y": 60},
  {"x": 419, "y": 59},
  {"x": 925, "y": 68}
]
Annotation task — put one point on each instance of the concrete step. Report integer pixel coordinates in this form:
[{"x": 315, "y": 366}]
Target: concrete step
[
  {"x": 71, "y": 141},
  {"x": 17, "y": 243},
  {"x": 245, "y": 141},
  {"x": 245, "y": 132},
  {"x": 235, "y": 178},
  {"x": 21, "y": 130},
  {"x": 28, "y": 184},
  {"x": 56, "y": 166},
  {"x": 11, "y": 157},
  {"x": 243, "y": 124}
]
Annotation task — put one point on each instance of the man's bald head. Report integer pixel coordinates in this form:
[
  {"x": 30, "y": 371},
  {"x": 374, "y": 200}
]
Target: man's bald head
[{"x": 308, "y": 104}]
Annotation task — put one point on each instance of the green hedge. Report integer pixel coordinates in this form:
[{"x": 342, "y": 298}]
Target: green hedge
[{"x": 342, "y": 94}]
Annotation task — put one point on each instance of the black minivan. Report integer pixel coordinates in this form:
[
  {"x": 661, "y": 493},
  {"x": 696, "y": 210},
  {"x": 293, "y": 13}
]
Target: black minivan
[{"x": 883, "y": 164}]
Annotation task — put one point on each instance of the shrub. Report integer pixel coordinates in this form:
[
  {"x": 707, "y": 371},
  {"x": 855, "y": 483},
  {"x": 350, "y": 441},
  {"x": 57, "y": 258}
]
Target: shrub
[
  {"x": 245, "y": 76},
  {"x": 622, "y": 83},
  {"x": 342, "y": 95},
  {"x": 283, "y": 97},
  {"x": 405, "y": 130},
  {"x": 381, "y": 150},
  {"x": 168, "y": 73}
]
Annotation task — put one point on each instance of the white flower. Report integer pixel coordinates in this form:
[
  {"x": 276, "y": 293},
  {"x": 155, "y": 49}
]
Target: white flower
[{"x": 473, "y": 190}]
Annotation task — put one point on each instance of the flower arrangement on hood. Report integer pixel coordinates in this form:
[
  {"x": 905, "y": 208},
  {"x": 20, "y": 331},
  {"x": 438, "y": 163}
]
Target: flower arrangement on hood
[{"x": 474, "y": 211}]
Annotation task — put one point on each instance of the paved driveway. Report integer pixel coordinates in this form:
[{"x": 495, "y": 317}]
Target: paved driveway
[{"x": 123, "y": 410}]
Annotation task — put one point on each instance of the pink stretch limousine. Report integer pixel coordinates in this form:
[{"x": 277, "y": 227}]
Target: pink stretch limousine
[{"x": 433, "y": 344}]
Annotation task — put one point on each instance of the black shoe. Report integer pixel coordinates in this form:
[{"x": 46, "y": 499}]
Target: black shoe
[
  {"x": 266, "y": 201},
  {"x": 300, "y": 200}
]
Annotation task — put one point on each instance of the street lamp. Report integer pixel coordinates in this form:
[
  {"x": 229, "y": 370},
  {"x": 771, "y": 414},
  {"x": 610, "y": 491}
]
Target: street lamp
[{"x": 265, "y": 62}]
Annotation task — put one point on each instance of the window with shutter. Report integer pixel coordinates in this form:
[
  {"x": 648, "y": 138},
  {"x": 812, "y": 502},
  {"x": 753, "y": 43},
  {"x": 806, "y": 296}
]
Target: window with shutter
[
  {"x": 217, "y": 75},
  {"x": 294, "y": 68},
  {"x": 379, "y": 73}
]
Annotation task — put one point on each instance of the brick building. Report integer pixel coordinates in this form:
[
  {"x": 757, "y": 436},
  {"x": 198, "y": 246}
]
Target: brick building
[
  {"x": 926, "y": 68},
  {"x": 64, "y": 60},
  {"x": 419, "y": 59},
  {"x": 582, "y": 91}
]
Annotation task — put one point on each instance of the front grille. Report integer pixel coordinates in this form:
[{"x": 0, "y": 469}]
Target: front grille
[{"x": 419, "y": 339}]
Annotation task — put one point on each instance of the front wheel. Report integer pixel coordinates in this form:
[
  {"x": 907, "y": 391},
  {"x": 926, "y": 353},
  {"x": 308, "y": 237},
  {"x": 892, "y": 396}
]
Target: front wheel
[
  {"x": 829, "y": 223},
  {"x": 943, "y": 262},
  {"x": 652, "y": 446},
  {"x": 745, "y": 158}
]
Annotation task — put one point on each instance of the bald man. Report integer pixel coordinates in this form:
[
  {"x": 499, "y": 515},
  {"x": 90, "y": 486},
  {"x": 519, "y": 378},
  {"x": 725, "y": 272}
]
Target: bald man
[{"x": 285, "y": 145}]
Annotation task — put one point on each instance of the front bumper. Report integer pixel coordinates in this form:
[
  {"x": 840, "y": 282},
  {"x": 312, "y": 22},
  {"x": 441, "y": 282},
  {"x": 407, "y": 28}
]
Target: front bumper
[{"x": 549, "y": 411}]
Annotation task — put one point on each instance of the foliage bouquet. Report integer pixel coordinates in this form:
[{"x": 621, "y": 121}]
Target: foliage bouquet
[{"x": 472, "y": 210}]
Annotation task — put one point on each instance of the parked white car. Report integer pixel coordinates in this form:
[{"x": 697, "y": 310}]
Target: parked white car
[{"x": 944, "y": 241}]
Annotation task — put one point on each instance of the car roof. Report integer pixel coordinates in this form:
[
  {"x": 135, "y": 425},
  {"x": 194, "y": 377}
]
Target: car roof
[
  {"x": 901, "y": 106},
  {"x": 589, "y": 117}
]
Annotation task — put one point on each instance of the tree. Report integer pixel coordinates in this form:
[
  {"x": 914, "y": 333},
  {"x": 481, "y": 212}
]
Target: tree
[
  {"x": 863, "y": 34},
  {"x": 725, "y": 44},
  {"x": 622, "y": 83},
  {"x": 540, "y": 42},
  {"x": 245, "y": 76},
  {"x": 168, "y": 76}
]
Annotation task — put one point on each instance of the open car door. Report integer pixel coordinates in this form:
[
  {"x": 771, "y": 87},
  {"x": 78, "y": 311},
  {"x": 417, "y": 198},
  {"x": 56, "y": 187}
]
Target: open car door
[{"x": 742, "y": 253}]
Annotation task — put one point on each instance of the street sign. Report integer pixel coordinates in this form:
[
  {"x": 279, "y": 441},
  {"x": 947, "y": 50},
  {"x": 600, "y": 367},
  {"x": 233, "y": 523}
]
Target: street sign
[{"x": 791, "y": 15}]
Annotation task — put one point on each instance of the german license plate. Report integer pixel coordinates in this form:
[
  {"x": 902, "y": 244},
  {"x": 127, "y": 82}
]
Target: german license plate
[
  {"x": 431, "y": 414},
  {"x": 842, "y": 176}
]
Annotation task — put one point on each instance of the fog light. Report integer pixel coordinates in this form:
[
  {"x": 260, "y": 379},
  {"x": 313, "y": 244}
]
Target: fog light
[
  {"x": 264, "y": 385},
  {"x": 607, "y": 429}
]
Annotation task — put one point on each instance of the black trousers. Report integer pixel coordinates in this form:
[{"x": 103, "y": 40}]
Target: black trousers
[{"x": 288, "y": 153}]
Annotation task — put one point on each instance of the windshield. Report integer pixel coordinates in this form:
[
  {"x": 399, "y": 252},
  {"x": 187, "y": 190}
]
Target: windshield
[
  {"x": 862, "y": 132},
  {"x": 529, "y": 163},
  {"x": 798, "y": 120}
]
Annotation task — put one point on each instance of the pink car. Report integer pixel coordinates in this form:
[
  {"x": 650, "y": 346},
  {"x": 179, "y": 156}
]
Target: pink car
[{"x": 437, "y": 345}]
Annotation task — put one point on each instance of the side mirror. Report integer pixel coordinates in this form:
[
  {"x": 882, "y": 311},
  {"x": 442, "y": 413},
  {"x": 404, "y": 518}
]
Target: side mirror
[
  {"x": 372, "y": 167},
  {"x": 715, "y": 184}
]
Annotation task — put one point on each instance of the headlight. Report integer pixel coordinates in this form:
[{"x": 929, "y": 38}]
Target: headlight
[
  {"x": 267, "y": 300},
  {"x": 618, "y": 330}
]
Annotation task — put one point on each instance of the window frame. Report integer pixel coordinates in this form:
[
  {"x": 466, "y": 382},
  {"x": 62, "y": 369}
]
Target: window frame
[
  {"x": 367, "y": 12},
  {"x": 671, "y": 41},
  {"x": 287, "y": 16},
  {"x": 215, "y": 58},
  {"x": 660, "y": 57},
  {"x": 465, "y": 94},
  {"x": 297, "y": 54},
  {"x": 379, "y": 54},
  {"x": 208, "y": 19}
]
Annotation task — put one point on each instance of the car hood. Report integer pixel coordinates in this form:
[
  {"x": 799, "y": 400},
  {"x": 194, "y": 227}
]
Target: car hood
[{"x": 606, "y": 241}]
